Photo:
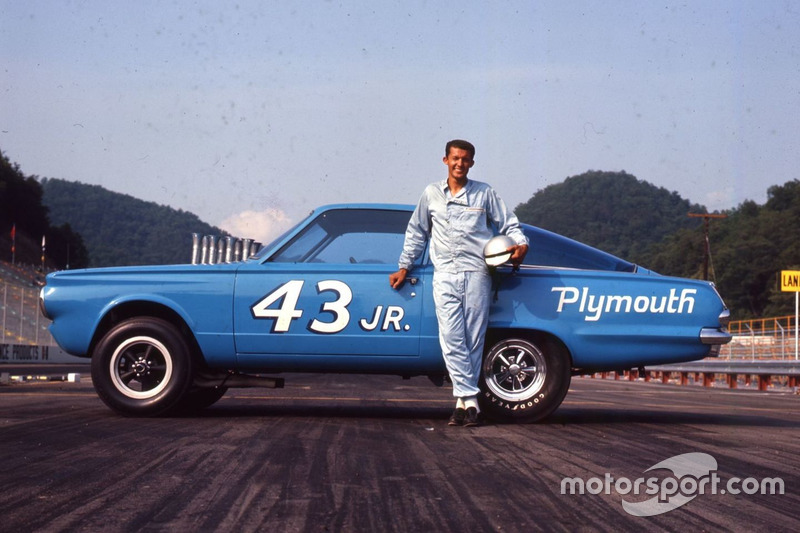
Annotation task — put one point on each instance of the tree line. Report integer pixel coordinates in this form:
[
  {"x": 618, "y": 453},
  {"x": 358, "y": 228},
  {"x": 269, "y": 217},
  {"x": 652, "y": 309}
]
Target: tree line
[
  {"x": 27, "y": 227},
  {"x": 87, "y": 225}
]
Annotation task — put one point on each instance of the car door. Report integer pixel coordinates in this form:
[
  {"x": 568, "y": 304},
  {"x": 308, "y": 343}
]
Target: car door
[{"x": 326, "y": 292}]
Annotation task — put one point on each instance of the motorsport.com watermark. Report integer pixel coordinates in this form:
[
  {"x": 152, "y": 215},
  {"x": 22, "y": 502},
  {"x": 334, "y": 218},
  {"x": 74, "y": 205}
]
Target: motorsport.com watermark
[{"x": 693, "y": 474}]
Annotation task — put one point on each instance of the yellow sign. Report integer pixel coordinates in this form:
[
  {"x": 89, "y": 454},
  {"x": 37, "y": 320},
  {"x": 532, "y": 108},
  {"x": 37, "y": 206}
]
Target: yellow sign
[{"x": 790, "y": 280}]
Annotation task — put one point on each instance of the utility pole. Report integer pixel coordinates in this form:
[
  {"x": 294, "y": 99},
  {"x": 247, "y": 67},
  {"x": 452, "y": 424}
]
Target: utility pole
[{"x": 707, "y": 248}]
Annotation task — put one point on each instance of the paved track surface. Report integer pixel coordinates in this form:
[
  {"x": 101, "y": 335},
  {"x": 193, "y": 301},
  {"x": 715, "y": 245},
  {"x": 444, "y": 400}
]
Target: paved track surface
[{"x": 350, "y": 453}]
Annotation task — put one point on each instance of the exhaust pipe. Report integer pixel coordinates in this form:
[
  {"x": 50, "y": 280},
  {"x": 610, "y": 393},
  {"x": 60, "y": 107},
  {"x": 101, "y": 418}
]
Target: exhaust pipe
[
  {"x": 195, "y": 248},
  {"x": 229, "y": 241},
  {"x": 210, "y": 380},
  {"x": 204, "y": 250},
  {"x": 220, "y": 251},
  {"x": 211, "y": 250}
]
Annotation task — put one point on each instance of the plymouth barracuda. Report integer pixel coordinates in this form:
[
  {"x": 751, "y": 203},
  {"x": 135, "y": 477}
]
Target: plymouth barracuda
[{"x": 166, "y": 339}]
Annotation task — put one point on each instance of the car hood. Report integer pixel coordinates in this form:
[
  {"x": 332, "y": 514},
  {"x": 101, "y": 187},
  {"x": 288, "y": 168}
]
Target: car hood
[{"x": 141, "y": 271}]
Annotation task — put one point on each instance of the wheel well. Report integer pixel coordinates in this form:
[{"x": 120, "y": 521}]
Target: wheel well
[
  {"x": 145, "y": 309},
  {"x": 494, "y": 335}
]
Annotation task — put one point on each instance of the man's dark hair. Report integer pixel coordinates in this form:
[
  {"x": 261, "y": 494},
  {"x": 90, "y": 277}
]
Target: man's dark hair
[{"x": 461, "y": 144}]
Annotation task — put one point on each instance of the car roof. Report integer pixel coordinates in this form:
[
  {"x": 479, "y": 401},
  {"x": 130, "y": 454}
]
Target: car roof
[{"x": 365, "y": 205}]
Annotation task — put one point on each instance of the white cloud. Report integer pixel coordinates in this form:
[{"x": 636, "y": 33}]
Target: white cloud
[{"x": 262, "y": 226}]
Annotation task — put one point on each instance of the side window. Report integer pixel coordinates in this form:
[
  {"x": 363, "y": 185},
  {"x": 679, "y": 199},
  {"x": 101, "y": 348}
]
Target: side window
[
  {"x": 352, "y": 236},
  {"x": 366, "y": 247}
]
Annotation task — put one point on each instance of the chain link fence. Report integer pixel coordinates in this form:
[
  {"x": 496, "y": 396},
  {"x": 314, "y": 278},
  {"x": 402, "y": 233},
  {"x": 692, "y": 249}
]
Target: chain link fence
[{"x": 762, "y": 338}]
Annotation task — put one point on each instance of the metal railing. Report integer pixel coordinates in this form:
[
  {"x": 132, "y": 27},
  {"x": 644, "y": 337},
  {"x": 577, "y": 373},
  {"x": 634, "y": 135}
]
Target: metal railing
[
  {"x": 761, "y": 338},
  {"x": 765, "y": 375}
]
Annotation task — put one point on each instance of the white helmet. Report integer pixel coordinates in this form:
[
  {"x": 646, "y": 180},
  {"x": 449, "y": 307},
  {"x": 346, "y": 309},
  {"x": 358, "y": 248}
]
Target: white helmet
[{"x": 496, "y": 250}]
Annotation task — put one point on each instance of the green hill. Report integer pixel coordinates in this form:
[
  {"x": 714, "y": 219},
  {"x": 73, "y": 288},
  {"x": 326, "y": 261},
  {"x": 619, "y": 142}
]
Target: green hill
[
  {"x": 748, "y": 250},
  {"x": 612, "y": 211},
  {"x": 119, "y": 229}
]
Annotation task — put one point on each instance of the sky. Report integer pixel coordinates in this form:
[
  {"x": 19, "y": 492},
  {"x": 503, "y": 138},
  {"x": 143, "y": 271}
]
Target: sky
[{"x": 250, "y": 114}]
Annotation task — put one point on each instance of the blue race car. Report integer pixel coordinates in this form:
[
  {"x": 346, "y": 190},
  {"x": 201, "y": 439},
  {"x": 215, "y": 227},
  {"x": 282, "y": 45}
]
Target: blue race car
[{"x": 164, "y": 339}]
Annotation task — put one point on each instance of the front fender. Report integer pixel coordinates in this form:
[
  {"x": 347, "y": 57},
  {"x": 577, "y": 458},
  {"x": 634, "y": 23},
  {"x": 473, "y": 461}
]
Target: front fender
[{"x": 82, "y": 304}]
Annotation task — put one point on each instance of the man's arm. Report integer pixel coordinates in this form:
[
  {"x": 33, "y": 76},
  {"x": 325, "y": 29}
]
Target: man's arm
[
  {"x": 508, "y": 224},
  {"x": 417, "y": 234}
]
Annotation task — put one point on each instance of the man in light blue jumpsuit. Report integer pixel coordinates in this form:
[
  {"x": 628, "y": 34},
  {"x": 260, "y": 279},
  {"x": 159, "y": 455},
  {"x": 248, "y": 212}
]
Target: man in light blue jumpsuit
[{"x": 459, "y": 216}]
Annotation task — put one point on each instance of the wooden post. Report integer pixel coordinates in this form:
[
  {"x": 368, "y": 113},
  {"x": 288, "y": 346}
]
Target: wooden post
[{"x": 707, "y": 244}]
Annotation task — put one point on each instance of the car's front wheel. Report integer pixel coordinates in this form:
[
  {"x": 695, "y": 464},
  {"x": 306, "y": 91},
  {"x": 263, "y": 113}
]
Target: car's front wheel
[
  {"x": 142, "y": 367},
  {"x": 523, "y": 381}
]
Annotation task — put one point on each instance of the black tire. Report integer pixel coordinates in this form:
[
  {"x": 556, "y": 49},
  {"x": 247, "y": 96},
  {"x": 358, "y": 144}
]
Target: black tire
[
  {"x": 523, "y": 381},
  {"x": 142, "y": 367}
]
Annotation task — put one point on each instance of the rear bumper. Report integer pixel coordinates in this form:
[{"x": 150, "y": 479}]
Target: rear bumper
[{"x": 715, "y": 338}]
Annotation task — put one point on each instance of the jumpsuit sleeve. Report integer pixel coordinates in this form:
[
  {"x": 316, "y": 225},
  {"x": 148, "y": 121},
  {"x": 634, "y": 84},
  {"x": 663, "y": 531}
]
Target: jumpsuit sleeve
[
  {"x": 504, "y": 220},
  {"x": 417, "y": 234}
]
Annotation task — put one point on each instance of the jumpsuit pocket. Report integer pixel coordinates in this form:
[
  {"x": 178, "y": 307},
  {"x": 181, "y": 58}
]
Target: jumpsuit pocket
[{"x": 472, "y": 218}]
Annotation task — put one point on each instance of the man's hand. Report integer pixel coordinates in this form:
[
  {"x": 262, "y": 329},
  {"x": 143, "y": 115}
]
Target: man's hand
[
  {"x": 518, "y": 252},
  {"x": 397, "y": 279}
]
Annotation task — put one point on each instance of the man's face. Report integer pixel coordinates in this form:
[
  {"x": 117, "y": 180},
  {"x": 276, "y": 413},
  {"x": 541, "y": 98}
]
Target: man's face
[{"x": 458, "y": 163}]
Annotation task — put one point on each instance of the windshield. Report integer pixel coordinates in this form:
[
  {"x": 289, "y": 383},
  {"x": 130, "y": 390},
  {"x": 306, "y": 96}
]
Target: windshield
[{"x": 265, "y": 249}]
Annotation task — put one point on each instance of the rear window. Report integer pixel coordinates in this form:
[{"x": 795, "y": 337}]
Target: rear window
[{"x": 550, "y": 249}]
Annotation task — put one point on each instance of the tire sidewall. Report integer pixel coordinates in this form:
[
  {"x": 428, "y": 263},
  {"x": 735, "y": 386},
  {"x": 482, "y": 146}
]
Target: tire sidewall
[
  {"x": 172, "y": 390},
  {"x": 540, "y": 402}
]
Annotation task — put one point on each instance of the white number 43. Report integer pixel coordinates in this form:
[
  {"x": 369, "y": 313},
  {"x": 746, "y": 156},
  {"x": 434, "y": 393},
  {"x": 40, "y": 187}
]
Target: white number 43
[{"x": 289, "y": 294}]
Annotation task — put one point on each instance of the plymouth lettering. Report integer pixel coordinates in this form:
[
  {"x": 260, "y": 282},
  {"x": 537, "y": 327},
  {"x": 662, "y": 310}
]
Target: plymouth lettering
[{"x": 593, "y": 306}]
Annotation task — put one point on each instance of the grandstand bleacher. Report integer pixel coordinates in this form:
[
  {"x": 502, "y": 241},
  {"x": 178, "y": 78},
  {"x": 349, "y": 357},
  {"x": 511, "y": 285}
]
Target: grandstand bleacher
[{"x": 20, "y": 320}]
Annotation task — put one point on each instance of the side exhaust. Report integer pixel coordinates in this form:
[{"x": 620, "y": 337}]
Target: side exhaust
[{"x": 209, "y": 380}]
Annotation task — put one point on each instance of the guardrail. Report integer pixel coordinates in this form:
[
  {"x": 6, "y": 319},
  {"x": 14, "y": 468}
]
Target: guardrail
[{"x": 706, "y": 371}]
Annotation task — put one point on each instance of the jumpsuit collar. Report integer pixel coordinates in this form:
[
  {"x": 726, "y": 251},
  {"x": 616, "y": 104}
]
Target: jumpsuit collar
[{"x": 460, "y": 197}]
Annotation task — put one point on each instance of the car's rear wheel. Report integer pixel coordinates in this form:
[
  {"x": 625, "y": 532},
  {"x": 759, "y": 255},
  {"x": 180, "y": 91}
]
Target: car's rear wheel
[
  {"x": 522, "y": 380},
  {"x": 142, "y": 367}
]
